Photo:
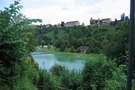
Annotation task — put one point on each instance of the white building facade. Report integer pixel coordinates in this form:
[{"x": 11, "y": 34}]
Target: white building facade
[{"x": 72, "y": 23}]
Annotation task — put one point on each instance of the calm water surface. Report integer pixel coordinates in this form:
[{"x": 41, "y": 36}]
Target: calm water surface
[{"x": 46, "y": 61}]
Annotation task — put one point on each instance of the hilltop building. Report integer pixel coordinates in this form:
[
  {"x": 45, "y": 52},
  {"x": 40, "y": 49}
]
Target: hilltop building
[
  {"x": 104, "y": 21},
  {"x": 94, "y": 21},
  {"x": 72, "y": 23}
]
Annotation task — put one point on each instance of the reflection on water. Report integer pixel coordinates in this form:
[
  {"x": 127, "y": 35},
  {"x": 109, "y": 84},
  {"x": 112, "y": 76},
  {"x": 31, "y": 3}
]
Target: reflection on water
[{"x": 46, "y": 61}]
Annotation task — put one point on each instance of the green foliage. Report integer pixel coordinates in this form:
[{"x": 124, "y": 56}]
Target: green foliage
[
  {"x": 72, "y": 49},
  {"x": 24, "y": 83},
  {"x": 102, "y": 75},
  {"x": 27, "y": 78},
  {"x": 13, "y": 45},
  {"x": 60, "y": 43},
  {"x": 31, "y": 70},
  {"x": 116, "y": 43},
  {"x": 70, "y": 79},
  {"x": 111, "y": 40},
  {"x": 42, "y": 43},
  {"x": 49, "y": 46},
  {"x": 57, "y": 69},
  {"x": 67, "y": 49},
  {"x": 62, "y": 24},
  {"x": 93, "y": 77},
  {"x": 19, "y": 72},
  {"x": 44, "y": 82},
  {"x": 44, "y": 38},
  {"x": 123, "y": 16},
  {"x": 117, "y": 81},
  {"x": 67, "y": 79}
]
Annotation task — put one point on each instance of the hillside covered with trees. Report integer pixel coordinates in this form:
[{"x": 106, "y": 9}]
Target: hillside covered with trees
[
  {"x": 112, "y": 40},
  {"x": 18, "y": 71}
]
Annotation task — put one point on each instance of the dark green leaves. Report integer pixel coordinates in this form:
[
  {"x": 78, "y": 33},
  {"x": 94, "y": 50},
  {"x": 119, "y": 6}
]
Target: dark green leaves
[{"x": 14, "y": 45}]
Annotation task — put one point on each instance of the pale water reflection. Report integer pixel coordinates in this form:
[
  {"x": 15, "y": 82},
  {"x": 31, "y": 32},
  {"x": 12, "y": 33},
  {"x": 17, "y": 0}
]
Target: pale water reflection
[{"x": 46, "y": 61}]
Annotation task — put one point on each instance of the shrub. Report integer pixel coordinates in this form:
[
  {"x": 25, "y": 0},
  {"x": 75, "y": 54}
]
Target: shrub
[
  {"x": 49, "y": 46},
  {"x": 103, "y": 75},
  {"x": 117, "y": 81},
  {"x": 57, "y": 69},
  {"x": 24, "y": 84},
  {"x": 67, "y": 49},
  {"x": 70, "y": 79},
  {"x": 72, "y": 49},
  {"x": 44, "y": 82}
]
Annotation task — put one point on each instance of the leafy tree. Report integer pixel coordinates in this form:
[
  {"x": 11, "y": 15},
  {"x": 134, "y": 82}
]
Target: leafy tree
[
  {"x": 100, "y": 74},
  {"x": 126, "y": 18},
  {"x": 55, "y": 33},
  {"x": 70, "y": 79},
  {"x": 72, "y": 49},
  {"x": 49, "y": 46},
  {"x": 62, "y": 24},
  {"x": 46, "y": 39},
  {"x": 60, "y": 43},
  {"x": 42, "y": 43},
  {"x": 117, "y": 43},
  {"x": 57, "y": 69},
  {"x": 67, "y": 49},
  {"x": 122, "y": 16},
  {"x": 13, "y": 45},
  {"x": 44, "y": 82}
]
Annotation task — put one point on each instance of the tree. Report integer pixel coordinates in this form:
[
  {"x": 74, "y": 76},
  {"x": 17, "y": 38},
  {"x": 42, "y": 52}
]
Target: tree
[
  {"x": 13, "y": 45},
  {"x": 122, "y": 16},
  {"x": 55, "y": 33},
  {"x": 117, "y": 43},
  {"x": 32, "y": 42},
  {"x": 62, "y": 24},
  {"x": 42, "y": 43},
  {"x": 99, "y": 75},
  {"x": 72, "y": 49},
  {"x": 126, "y": 18}
]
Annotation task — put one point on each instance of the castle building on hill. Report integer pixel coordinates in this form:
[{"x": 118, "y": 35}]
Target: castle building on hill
[
  {"x": 72, "y": 23},
  {"x": 104, "y": 21}
]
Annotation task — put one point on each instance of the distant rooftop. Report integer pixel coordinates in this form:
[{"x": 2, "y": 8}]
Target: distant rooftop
[
  {"x": 72, "y": 21},
  {"x": 106, "y": 19}
]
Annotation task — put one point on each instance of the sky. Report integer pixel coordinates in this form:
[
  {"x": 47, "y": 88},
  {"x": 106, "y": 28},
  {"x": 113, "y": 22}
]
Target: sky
[{"x": 56, "y": 11}]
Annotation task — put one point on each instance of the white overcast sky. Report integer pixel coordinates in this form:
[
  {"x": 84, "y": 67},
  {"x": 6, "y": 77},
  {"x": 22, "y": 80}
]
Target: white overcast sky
[{"x": 55, "y": 11}]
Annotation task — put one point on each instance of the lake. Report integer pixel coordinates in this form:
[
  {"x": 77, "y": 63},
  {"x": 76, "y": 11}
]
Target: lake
[{"x": 46, "y": 61}]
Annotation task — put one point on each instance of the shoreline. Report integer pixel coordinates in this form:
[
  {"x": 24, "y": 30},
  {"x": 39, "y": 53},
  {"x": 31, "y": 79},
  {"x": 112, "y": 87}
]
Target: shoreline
[{"x": 84, "y": 56}]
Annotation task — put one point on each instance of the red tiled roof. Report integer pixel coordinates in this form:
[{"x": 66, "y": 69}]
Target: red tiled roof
[
  {"x": 94, "y": 19},
  {"x": 106, "y": 19},
  {"x": 72, "y": 21}
]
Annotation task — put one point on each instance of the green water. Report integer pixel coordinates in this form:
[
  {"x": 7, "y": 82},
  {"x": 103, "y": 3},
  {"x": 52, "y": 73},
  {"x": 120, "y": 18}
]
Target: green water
[{"x": 46, "y": 61}]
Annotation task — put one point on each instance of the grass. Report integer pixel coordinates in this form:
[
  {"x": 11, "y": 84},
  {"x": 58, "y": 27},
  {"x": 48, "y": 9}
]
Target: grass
[{"x": 91, "y": 56}]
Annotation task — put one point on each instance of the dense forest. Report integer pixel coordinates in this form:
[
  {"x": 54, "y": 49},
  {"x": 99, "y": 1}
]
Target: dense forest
[{"x": 18, "y": 71}]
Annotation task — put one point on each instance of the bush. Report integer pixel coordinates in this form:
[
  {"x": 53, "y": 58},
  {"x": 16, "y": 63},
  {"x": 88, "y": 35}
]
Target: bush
[
  {"x": 15, "y": 45},
  {"x": 70, "y": 79},
  {"x": 24, "y": 84},
  {"x": 57, "y": 69},
  {"x": 117, "y": 81},
  {"x": 92, "y": 75},
  {"x": 102, "y": 75},
  {"x": 44, "y": 82},
  {"x": 67, "y": 49},
  {"x": 72, "y": 49},
  {"x": 49, "y": 46}
]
